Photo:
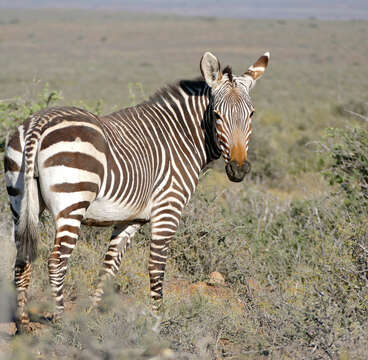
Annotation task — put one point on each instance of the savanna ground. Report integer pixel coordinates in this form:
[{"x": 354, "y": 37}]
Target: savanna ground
[{"x": 291, "y": 241}]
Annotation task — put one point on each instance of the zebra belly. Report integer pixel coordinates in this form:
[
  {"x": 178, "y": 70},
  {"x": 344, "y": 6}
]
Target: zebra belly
[{"x": 103, "y": 212}]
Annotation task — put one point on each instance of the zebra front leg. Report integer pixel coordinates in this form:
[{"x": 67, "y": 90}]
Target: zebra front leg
[
  {"x": 164, "y": 223},
  {"x": 120, "y": 241}
]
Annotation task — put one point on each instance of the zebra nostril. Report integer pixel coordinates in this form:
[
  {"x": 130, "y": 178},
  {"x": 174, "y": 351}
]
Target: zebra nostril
[
  {"x": 236, "y": 172},
  {"x": 246, "y": 167}
]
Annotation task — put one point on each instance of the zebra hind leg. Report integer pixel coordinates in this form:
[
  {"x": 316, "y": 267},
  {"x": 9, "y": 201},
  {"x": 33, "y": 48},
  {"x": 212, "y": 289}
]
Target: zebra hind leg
[
  {"x": 14, "y": 178},
  {"x": 119, "y": 243},
  {"x": 22, "y": 277},
  {"x": 67, "y": 232}
]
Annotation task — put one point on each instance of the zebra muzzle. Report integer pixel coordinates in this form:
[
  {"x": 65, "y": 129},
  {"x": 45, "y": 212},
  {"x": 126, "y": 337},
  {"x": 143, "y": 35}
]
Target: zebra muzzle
[{"x": 236, "y": 172}]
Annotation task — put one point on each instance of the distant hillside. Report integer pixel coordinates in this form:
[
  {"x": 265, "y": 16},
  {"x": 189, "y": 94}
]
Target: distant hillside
[{"x": 324, "y": 9}]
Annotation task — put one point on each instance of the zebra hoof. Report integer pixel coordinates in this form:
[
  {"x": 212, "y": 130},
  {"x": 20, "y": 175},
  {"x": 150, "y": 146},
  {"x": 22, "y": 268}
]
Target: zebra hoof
[
  {"x": 22, "y": 324},
  {"x": 23, "y": 329},
  {"x": 56, "y": 317},
  {"x": 27, "y": 328}
]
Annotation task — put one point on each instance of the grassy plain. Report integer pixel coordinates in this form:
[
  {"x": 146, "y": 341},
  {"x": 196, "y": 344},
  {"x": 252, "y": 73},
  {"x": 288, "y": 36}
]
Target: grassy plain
[{"x": 291, "y": 247}]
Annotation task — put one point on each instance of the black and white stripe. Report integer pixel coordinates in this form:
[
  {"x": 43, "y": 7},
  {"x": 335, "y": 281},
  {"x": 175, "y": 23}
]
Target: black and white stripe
[{"x": 125, "y": 169}]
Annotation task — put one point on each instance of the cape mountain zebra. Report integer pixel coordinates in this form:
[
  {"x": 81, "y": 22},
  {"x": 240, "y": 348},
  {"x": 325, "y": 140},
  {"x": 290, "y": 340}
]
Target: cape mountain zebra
[{"x": 136, "y": 165}]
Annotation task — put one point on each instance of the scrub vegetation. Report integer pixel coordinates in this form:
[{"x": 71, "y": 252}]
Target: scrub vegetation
[{"x": 290, "y": 241}]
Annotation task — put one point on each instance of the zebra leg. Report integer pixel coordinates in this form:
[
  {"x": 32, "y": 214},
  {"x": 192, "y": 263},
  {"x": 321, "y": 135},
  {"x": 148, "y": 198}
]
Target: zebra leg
[
  {"x": 119, "y": 243},
  {"x": 67, "y": 233},
  {"x": 164, "y": 223},
  {"x": 14, "y": 178},
  {"x": 22, "y": 277}
]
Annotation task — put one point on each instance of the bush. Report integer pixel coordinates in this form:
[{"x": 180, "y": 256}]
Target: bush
[
  {"x": 299, "y": 269},
  {"x": 349, "y": 168},
  {"x": 14, "y": 112},
  {"x": 296, "y": 280}
]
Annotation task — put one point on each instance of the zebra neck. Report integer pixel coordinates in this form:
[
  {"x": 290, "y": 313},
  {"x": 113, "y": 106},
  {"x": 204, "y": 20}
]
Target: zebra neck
[
  {"x": 188, "y": 103},
  {"x": 213, "y": 151}
]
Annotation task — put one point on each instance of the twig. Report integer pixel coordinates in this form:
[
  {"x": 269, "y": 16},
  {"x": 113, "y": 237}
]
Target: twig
[
  {"x": 6, "y": 100},
  {"x": 357, "y": 114}
]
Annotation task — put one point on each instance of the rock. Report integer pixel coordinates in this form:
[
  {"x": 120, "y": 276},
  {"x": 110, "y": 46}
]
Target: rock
[
  {"x": 216, "y": 278},
  {"x": 158, "y": 353},
  {"x": 214, "y": 293}
]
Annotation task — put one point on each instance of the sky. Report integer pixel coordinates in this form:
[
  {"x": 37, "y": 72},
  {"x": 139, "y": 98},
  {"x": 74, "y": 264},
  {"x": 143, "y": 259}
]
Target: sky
[{"x": 280, "y": 9}]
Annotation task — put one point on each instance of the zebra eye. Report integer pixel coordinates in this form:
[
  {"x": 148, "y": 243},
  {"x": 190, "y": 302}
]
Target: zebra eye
[
  {"x": 218, "y": 118},
  {"x": 251, "y": 114}
]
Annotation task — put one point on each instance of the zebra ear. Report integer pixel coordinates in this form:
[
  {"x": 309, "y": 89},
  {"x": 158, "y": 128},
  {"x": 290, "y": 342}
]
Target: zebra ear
[
  {"x": 257, "y": 69},
  {"x": 210, "y": 69}
]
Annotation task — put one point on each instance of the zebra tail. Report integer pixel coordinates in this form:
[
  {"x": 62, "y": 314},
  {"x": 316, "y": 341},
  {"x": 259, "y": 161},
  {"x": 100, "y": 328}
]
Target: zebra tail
[{"x": 27, "y": 232}]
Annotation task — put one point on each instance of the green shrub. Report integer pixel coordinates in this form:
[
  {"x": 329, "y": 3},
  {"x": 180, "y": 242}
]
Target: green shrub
[
  {"x": 295, "y": 269},
  {"x": 349, "y": 168},
  {"x": 14, "y": 112}
]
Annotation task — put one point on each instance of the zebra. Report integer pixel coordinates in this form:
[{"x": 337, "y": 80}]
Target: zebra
[{"x": 134, "y": 166}]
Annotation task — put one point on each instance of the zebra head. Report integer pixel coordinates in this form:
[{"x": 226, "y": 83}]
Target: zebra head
[{"x": 232, "y": 110}]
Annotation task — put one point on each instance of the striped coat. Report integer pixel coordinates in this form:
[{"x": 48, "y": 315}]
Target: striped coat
[{"x": 134, "y": 166}]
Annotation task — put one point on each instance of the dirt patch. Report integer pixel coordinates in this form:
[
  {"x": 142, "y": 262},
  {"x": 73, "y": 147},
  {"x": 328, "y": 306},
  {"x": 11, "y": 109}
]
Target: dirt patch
[{"x": 213, "y": 292}]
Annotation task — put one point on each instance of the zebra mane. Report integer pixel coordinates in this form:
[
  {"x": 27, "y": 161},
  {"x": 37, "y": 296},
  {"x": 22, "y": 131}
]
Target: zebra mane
[
  {"x": 229, "y": 72},
  {"x": 192, "y": 87},
  {"x": 168, "y": 94}
]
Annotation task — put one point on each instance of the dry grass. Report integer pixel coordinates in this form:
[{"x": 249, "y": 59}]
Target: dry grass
[{"x": 287, "y": 243}]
